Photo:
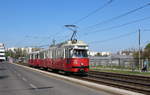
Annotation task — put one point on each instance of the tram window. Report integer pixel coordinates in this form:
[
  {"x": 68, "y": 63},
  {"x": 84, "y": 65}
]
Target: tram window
[
  {"x": 41, "y": 55},
  {"x": 32, "y": 56},
  {"x": 53, "y": 53},
  {"x": 50, "y": 53},
  {"x": 37, "y": 56},
  {"x": 60, "y": 53},
  {"x": 79, "y": 53},
  {"x": 63, "y": 53},
  {"x": 28, "y": 57},
  {"x": 44, "y": 53},
  {"x": 66, "y": 53}
]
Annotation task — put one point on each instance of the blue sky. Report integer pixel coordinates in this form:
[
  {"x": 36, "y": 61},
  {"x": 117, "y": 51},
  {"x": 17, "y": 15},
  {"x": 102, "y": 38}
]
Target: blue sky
[{"x": 36, "y": 22}]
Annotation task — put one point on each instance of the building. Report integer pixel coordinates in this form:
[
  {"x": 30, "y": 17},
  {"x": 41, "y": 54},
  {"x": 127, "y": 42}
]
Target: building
[
  {"x": 127, "y": 52},
  {"x": 2, "y": 52},
  {"x": 105, "y": 53},
  {"x": 92, "y": 53}
]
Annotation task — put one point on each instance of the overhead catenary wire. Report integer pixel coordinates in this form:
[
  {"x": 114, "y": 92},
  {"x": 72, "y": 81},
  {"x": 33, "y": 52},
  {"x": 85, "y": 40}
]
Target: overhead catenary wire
[
  {"x": 59, "y": 38},
  {"x": 43, "y": 38},
  {"x": 117, "y": 26},
  {"x": 146, "y": 30},
  {"x": 120, "y": 16},
  {"x": 113, "y": 38},
  {"x": 20, "y": 42},
  {"x": 93, "y": 12},
  {"x": 38, "y": 37}
]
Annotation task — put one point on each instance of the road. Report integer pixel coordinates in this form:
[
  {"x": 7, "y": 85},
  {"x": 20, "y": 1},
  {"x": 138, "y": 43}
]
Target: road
[{"x": 15, "y": 80}]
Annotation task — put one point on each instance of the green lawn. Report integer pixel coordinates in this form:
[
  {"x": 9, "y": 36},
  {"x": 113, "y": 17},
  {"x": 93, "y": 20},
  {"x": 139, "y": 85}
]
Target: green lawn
[{"x": 123, "y": 71}]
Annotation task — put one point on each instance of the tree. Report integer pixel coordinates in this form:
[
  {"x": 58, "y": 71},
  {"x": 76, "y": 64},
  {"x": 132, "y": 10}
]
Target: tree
[
  {"x": 16, "y": 53},
  {"x": 9, "y": 53},
  {"x": 98, "y": 54},
  {"x": 36, "y": 49},
  {"x": 146, "y": 53},
  {"x": 147, "y": 46}
]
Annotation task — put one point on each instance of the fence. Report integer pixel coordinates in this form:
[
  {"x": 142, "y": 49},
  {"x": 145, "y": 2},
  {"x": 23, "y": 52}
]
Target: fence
[{"x": 118, "y": 63}]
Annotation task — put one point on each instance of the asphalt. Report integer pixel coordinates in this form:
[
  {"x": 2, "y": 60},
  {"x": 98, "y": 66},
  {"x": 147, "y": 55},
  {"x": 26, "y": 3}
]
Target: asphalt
[{"x": 15, "y": 80}]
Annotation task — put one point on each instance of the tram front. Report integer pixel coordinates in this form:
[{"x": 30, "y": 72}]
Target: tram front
[{"x": 79, "y": 58}]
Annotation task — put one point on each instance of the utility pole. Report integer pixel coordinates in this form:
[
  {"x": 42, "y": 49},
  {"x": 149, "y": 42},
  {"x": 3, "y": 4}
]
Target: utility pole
[{"x": 139, "y": 31}]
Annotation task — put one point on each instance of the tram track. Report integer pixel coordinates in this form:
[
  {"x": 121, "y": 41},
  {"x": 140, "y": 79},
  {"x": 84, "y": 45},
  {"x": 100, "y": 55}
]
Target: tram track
[{"x": 133, "y": 83}]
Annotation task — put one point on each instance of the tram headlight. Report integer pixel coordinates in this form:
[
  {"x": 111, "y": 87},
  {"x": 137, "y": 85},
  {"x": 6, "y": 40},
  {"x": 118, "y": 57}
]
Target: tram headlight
[{"x": 82, "y": 64}]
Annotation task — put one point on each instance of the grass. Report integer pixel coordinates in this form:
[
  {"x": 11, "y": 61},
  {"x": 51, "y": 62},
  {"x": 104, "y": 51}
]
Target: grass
[{"x": 122, "y": 71}]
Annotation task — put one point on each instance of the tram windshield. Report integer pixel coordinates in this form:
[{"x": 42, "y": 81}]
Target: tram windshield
[{"x": 79, "y": 53}]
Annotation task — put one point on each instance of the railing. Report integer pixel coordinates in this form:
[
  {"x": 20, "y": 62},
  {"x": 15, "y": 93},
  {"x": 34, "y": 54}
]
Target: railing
[{"x": 131, "y": 64}]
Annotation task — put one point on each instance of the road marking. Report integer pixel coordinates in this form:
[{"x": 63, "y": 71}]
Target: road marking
[
  {"x": 24, "y": 79},
  {"x": 33, "y": 86}
]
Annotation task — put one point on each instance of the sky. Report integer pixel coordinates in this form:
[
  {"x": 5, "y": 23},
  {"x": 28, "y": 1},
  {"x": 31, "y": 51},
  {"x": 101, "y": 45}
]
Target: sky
[{"x": 26, "y": 23}]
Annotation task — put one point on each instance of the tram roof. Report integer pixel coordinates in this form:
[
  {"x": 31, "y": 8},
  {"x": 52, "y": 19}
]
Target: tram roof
[{"x": 71, "y": 43}]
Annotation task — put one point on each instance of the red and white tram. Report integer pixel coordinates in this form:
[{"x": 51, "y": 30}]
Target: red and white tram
[{"x": 70, "y": 56}]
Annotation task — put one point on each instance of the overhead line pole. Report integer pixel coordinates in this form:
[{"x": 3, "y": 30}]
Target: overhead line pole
[{"x": 139, "y": 32}]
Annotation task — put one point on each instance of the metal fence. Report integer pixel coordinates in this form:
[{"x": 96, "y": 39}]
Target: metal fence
[{"x": 122, "y": 63}]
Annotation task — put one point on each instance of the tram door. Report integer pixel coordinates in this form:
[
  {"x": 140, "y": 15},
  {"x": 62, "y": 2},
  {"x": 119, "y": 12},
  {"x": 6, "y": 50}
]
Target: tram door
[{"x": 67, "y": 55}]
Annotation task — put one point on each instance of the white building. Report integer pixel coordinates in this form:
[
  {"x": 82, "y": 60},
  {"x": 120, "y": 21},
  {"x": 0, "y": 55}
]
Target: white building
[
  {"x": 2, "y": 52},
  {"x": 105, "y": 53},
  {"x": 28, "y": 50},
  {"x": 92, "y": 53}
]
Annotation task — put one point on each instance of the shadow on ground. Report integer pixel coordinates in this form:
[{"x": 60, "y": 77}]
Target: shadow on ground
[
  {"x": 1, "y": 69},
  {"x": 3, "y": 77}
]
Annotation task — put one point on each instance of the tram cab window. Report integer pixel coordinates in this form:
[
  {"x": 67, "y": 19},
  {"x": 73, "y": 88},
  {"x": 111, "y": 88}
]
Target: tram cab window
[{"x": 79, "y": 53}]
